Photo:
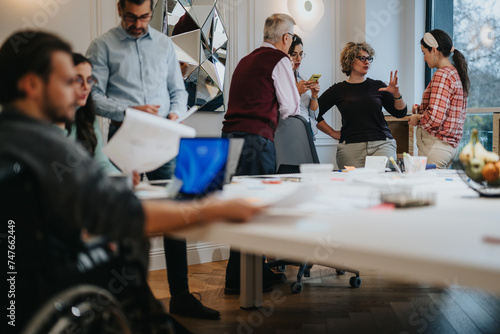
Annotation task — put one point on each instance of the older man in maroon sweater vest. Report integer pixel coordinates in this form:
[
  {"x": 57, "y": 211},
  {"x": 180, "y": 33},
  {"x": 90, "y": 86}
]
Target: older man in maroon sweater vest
[{"x": 262, "y": 90}]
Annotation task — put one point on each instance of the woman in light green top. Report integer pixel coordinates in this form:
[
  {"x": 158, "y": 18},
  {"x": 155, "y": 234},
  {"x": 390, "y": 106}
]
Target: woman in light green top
[{"x": 85, "y": 129}]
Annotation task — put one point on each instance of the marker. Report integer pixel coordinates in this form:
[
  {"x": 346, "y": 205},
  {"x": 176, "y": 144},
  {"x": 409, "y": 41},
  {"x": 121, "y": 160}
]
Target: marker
[{"x": 395, "y": 165}]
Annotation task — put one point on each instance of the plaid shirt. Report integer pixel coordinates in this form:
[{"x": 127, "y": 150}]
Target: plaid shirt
[{"x": 444, "y": 106}]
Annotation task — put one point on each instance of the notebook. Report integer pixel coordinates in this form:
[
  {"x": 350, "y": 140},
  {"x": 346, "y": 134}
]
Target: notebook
[
  {"x": 377, "y": 163},
  {"x": 200, "y": 167}
]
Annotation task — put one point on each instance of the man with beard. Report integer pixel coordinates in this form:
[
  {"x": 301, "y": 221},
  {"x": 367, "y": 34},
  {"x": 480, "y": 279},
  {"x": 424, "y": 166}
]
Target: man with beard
[
  {"x": 64, "y": 191},
  {"x": 136, "y": 66}
]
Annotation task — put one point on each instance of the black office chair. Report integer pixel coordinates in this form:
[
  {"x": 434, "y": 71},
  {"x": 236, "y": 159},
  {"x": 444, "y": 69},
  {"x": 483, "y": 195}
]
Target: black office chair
[{"x": 294, "y": 146}]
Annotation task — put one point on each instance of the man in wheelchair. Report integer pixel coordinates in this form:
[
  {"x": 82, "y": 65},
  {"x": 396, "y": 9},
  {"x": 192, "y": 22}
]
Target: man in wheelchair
[{"x": 51, "y": 191}]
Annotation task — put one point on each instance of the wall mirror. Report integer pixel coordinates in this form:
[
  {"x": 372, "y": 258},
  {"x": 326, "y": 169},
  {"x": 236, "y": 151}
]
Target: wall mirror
[{"x": 200, "y": 40}]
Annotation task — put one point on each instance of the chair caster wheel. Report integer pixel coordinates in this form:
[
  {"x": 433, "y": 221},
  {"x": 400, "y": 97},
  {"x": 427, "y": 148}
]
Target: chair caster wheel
[
  {"x": 355, "y": 282},
  {"x": 296, "y": 287},
  {"x": 340, "y": 272},
  {"x": 281, "y": 268}
]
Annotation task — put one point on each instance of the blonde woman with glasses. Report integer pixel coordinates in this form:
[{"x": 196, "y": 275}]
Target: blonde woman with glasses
[{"x": 364, "y": 130}]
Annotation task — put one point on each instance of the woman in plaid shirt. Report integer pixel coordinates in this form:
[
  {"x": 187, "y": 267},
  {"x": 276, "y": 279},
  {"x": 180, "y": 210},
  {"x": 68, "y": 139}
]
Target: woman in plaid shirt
[{"x": 441, "y": 115}]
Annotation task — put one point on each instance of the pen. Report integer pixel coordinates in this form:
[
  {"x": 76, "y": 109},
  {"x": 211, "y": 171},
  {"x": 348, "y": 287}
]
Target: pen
[
  {"x": 395, "y": 165},
  {"x": 491, "y": 240}
]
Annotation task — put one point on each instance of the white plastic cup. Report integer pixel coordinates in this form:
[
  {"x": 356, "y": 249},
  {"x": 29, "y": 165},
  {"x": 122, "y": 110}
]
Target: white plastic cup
[{"x": 414, "y": 164}]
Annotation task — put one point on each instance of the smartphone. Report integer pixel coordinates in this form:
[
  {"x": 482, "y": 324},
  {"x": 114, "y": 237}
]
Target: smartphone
[{"x": 315, "y": 77}]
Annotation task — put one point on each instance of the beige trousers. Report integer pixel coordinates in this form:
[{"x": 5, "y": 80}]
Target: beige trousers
[
  {"x": 355, "y": 154},
  {"x": 437, "y": 151}
]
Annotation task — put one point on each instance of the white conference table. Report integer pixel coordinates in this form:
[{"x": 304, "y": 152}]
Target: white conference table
[{"x": 455, "y": 241}]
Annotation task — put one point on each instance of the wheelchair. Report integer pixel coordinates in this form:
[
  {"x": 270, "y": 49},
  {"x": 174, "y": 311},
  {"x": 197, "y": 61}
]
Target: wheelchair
[{"x": 64, "y": 284}]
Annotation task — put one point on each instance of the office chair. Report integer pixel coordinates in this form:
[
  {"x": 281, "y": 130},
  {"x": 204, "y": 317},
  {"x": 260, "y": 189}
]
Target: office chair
[{"x": 294, "y": 145}]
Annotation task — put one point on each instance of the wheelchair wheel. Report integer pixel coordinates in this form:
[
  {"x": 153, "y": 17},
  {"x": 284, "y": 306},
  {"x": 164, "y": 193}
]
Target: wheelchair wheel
[{"x": 83, "y": 308}]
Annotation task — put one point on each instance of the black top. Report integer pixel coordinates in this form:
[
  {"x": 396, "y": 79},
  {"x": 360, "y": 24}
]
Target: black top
[
  {"x": 360, "y": 105},
  {"x": 74, "y": 191}
]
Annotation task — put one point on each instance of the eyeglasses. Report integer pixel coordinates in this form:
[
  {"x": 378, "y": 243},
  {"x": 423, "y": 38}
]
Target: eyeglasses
[
  {"x": 288, "y": 33},
  {"x": 130, "y": 18},
  {"x": 301, "y": 54},
  {"x": 363, "y": 59},
  {"x": 91, "y": 81}
]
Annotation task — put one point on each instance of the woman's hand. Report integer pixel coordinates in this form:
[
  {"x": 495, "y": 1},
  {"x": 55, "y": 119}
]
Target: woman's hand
[
  {"x": 336, "y": 135},
  {"x": 324, "y": 127},
  {"x": 393, "y": 87},
  {"x": 414, "y": 109},
  {"x": 414, "y": 119},
  {"x": 314, "y": 86},
  {"x": 302, "y": 86}
]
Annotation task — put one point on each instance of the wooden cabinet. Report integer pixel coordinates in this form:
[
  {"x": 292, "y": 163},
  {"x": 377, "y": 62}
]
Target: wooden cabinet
[{"x": 403, "y": 134}]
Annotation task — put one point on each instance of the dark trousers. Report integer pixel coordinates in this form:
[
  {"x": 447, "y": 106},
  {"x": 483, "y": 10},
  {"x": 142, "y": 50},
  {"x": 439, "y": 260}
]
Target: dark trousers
[
  {"x": 175, "y": 250},
  {"x": 258, "y": 157}
]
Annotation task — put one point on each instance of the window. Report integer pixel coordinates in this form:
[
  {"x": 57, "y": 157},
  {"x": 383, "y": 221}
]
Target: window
[{"x": 472, "y": 24}]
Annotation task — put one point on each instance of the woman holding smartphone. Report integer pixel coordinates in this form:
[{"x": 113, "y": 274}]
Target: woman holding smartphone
[
  {"x": 309, "y": 89},
  {"x": 364, "y": 130}
]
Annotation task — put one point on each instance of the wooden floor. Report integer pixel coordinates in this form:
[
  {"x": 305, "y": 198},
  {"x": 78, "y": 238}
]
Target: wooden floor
[{"x": 329, "y": 305}]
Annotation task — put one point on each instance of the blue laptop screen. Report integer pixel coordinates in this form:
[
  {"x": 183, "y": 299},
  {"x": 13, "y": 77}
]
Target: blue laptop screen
[{"x": 201, "y": 165}]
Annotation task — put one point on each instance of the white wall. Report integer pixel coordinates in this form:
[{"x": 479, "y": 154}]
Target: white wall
[
  {"x": 394, "y": 29},
  {"x": 77, "y": 21}
]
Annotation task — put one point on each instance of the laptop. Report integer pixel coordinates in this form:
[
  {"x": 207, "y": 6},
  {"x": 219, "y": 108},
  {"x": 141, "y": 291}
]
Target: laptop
[
  {"x": 235, "y": 148},
  {"x": 200, "y": 167}
]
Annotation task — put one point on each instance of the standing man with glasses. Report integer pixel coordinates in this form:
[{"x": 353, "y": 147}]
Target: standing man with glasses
[
  {"x": 262, "y": 91},
  {"x": 136, "y": 66}
]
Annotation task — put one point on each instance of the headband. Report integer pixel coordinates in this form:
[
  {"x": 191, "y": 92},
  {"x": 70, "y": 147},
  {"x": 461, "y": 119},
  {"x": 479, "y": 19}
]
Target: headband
[{"x": 431, "y": 41}]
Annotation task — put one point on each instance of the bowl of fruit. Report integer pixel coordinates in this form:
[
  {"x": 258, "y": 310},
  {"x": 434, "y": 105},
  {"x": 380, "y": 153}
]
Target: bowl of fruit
[{"x": 479, "y": 168}]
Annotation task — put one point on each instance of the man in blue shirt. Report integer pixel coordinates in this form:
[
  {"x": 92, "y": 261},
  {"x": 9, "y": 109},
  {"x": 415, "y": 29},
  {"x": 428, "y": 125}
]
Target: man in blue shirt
[{"x": 136, "y": 66}]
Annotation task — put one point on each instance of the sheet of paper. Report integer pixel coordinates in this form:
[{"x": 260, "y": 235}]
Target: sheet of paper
[
  {"x": 145, "y": 142},
  {"x": 188, "y": 113},
  {"x": 302, "y": 194}
]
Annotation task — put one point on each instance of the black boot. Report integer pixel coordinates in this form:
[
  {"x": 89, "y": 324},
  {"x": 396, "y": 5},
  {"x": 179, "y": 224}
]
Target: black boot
[{"x": 185, "y": 304}]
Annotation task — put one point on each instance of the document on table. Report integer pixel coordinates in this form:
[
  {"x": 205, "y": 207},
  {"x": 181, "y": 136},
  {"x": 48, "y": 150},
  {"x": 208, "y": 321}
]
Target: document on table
[{"x": 145, "y": 142}]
